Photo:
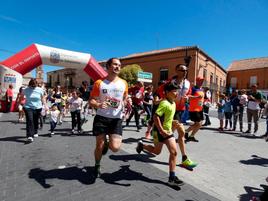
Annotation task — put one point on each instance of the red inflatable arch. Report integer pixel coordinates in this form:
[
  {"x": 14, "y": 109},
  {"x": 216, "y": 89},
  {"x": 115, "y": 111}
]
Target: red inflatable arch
[{"x": 12, "y": 69}]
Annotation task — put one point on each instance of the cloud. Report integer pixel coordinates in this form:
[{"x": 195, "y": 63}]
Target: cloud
[{"x": 10, "y": 19}]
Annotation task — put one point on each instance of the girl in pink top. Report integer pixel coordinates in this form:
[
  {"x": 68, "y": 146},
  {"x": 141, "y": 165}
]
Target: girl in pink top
[{"x": 20, "y": 101}]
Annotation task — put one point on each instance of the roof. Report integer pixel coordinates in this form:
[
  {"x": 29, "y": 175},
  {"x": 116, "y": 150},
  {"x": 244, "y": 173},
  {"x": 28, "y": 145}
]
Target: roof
[
  {"x": 153, "y": 52},
  {"x": 248, "y": 64}
]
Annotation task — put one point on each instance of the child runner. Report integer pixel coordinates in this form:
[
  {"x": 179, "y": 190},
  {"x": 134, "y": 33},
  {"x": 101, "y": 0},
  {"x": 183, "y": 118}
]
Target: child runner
[
  {"x": 54, "y": 115},
  {"x": 20, "y": 100},
  {"x": 162, "y": 133}
]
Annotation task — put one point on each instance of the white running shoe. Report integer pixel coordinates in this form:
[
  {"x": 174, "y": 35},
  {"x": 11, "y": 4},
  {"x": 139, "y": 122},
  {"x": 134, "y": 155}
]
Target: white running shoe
[
  {"x": 36, "y": 135},
  {"x": 30, "y": 139}
]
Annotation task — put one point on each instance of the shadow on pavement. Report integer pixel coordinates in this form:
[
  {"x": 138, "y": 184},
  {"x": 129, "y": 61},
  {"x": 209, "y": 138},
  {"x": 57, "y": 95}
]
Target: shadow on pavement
[
  {"x": 125, "y": 173},
  {"x": 256, "y": 160},
  {"x": 136, "y": 157},
  {"x": 255, "y": 192},
  {"x": 84, "y": 175},
  {"x": 12, "y": 121},
  {"x": 233, "y": 133},
  {"x": 14, "y": 139}
]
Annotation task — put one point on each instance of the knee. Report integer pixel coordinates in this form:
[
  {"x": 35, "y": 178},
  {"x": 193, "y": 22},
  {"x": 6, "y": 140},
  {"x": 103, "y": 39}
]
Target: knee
[
  {"x": 173, "y": 153},
  {"x": 114, "y": 148}
]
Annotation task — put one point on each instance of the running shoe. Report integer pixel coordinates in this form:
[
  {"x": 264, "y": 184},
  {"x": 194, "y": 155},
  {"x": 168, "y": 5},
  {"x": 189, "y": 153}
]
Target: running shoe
[
  {"x": 188, "y": 163},
  {"x": 139, "y": 147},
  {"x": 35, "y": 135},
  {"x": 248, "y": 132},
  {"x": 106, "y": 146},
  {"x": 175, "y": 181},
  {"x": 30, "y": 139},
  {"x": 97, "y": 171}
]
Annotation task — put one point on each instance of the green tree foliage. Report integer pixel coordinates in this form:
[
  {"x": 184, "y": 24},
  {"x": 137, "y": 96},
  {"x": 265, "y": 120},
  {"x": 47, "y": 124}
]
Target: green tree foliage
[{"x": 129, "y": 73}]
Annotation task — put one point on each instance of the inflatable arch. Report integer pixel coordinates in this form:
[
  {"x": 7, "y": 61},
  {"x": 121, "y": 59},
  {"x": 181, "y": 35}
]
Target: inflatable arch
[{"x": 13, "y": 68}]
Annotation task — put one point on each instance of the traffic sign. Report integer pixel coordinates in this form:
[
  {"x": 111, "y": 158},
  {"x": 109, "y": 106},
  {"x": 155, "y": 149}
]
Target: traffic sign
[{"x": 145, "y": 76}]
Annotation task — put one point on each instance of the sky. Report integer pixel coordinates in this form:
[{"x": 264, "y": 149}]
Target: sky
[{"x": 225, "y": 30}]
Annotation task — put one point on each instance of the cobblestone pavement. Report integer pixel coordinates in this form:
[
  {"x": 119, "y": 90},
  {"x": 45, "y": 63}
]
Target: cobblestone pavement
[{"x": 60, "y": 168}]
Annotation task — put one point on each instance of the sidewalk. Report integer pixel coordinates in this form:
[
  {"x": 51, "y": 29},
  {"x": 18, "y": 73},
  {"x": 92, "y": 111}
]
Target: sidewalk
[{"x": 60, "y": 168}]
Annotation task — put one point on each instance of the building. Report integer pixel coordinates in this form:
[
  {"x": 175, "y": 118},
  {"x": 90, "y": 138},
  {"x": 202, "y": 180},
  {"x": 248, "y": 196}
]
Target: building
[
  {"x": 39, "y": 75},
  {"x": 67, "y": 78},
  {"x": 162, "y": 63},
  {"x": 243, "y": 74}
]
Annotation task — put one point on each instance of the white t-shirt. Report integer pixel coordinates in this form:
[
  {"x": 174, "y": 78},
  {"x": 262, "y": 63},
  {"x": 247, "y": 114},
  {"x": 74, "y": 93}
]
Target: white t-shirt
[
  {"x": 113, "y": 93},
  {"x": 54, "y": 115},
  {"x": 75, "y": 104}
]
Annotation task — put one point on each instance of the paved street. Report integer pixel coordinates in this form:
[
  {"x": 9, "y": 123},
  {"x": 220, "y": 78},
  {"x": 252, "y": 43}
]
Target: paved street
[{"x": 231, "y": 166}]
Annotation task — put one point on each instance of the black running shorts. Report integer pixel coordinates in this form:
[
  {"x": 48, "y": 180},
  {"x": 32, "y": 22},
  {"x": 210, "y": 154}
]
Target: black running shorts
[
  {"x": 196, "y": 116},
  {"x": 158, "y": 137},
  {"x": 103, "y": 125}
]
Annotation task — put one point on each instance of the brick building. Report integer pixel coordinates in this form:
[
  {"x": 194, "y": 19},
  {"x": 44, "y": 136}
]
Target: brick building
[
  {"x": 244, "y": 73},
  {"x": 67, "y": 78},
  {"x": 161, "y": 63}
]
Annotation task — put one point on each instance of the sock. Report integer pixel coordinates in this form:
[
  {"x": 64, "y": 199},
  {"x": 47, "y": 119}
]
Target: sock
[
  {"x": 171, "y": 174},
  {"x": 97, "y": 163},
  {"x": 184, "y": 158}
]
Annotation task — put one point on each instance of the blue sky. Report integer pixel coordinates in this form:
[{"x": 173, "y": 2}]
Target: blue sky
[{"x": 225, "y": 30}]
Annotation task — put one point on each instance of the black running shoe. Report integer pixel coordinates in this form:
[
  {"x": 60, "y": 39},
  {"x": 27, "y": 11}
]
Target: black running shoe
[
  {"x": 106, "y": 146},
  {"x": 193, "y": 139},
  {"x": 97, "y": 171},
  {"x": 175, "y": 181},
  {"x": 186, "y": 136},
  {"x": 139, "y": 147}
]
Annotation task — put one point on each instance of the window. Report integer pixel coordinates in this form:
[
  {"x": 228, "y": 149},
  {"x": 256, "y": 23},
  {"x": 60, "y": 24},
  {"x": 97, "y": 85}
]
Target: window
[
  {"x": 163, "y": 74},
  {"x": 253, "y": 80},
  {"x": 205, "y": 74},
  {"x": 220, "y": 82},
  {"x": 211, "y": 78},
  {"x": 216, "y": 80},
  {"x": 233, "y": 82},
  {"x": 58, "y": 78}
]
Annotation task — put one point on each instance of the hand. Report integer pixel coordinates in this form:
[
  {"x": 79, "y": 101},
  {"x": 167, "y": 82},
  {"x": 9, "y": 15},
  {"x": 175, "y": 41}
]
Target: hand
[
  {"x": 164, "y": 133},
  {"x": 103, "y": 105}
]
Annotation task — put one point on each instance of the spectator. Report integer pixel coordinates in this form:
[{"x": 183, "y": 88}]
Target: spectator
[
  {"x": 220, "y": 106},
  {"x": 137, "y": 96},
  {"x": 228, "y": 112},
  {"x": 32, "y": 108},
  {"x": 9, "y": 98},
  {"x": 254, "y": 99},
  {"x": 206, "y": 106}
]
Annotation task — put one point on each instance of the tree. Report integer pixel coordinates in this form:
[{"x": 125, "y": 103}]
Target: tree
[{"x": 130, "y": 73}]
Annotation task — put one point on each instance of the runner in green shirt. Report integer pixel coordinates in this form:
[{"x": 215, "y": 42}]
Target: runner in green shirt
[{"x": 163, "y": 131}]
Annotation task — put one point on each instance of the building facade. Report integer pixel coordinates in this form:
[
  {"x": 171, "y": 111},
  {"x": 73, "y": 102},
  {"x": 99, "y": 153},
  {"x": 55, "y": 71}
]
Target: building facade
[
  {"x": 67, "y": 78},
  {"x": 243, "y": 74},
  {"x": 162, "y": 63}
]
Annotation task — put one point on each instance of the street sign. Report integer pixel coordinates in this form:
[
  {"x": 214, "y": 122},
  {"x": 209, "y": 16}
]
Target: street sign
[{"x": 145, "y": 76}]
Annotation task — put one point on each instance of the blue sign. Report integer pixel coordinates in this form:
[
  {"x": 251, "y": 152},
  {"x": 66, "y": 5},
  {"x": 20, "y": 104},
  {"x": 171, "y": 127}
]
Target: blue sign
[{"x": 10, "y": 79}]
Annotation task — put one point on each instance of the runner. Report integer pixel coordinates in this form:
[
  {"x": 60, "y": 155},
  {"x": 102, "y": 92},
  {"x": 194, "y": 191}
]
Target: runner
[
  {"x": 195, "y": 110},
  {"x": 162, "y": 132},
  {"x": 108, "y": 97},
  {"x": 183, "y": 92}
]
